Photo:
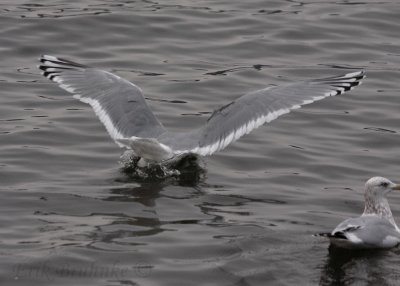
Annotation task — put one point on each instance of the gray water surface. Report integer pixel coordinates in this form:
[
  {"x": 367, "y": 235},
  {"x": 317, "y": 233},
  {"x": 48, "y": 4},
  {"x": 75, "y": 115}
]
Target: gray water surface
[{"x": 69, "y": 216}]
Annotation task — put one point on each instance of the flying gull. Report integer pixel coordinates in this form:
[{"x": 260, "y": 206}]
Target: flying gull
[
  {"x": 121, "y": 107},
  {"x": 375, "y": 228}
]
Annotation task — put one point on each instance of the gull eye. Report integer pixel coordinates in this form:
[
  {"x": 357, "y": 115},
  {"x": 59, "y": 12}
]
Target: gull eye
[{"x": 385, "y": 184}]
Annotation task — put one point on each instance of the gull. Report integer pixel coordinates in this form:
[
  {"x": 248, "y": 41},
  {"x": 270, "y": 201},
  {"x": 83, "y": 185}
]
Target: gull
[
  {"x": 121, "y": 107},
  {"x": 376, "y": 227}
]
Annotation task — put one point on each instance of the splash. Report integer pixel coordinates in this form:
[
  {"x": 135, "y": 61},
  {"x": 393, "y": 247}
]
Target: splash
[{"x": 188, "y": 166}]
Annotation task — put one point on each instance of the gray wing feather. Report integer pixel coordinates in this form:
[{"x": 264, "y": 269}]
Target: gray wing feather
[
  {"x": 230, "y": 122},
  {"x": 371, "y": 230},
  {"x": 118, "y": 103}
]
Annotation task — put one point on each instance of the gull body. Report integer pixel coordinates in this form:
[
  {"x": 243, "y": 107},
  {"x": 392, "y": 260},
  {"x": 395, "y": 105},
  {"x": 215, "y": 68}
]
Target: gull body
[
  {"x": 121, "y": 107},
  {"x": 376, "y": 227}
]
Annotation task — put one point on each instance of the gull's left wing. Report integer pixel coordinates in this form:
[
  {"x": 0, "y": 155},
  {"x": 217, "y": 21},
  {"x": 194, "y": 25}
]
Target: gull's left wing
[{"x": 232, "y": 121}]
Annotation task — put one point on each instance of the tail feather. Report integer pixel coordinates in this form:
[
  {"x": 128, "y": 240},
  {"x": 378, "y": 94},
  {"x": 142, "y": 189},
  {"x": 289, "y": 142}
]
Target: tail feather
[{"x": 147, "y": 148}]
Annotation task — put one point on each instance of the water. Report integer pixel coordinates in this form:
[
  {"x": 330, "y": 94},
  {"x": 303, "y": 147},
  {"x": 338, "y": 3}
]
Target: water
[{"x": 70, "y": 216}]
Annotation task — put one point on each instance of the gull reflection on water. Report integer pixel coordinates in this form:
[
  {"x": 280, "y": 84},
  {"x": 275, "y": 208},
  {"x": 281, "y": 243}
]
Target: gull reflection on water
[{"x": 360, "y": 266}]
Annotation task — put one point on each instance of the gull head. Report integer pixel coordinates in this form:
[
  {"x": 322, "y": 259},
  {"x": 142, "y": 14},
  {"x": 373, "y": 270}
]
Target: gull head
[{"x": 379, "y": 187}]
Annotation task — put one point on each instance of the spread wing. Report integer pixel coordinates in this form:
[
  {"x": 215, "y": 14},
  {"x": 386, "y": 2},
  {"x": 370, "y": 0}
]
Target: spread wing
[
  {"x": 118, "y": 103},
  {"x": 232, "y": 121},
  {"x": 121, "y": 107}
]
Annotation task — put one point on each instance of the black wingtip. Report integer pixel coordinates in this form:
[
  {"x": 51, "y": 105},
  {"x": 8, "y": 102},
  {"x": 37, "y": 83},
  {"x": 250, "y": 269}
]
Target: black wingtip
[
  {"x": 338, "y": 234},
  {"x": 53, "y": 67},
  {"x": 60, "y": 61},
  {"x": 323, "y": 234}
]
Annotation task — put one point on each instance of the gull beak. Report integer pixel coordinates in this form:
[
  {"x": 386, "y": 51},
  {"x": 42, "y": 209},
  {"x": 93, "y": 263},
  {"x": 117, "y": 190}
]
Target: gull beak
[{"x": 396, "y": 187}]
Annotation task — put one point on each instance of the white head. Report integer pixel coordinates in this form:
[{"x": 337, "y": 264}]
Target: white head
[
  {"x": 379, "y": 187},
  {"x": 376, "y": 203}
]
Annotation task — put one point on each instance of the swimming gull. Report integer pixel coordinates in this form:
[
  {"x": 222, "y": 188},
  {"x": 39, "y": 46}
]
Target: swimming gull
[
  {"x": 375, "y": 228},
  {"x": 121, "y": 107}
]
